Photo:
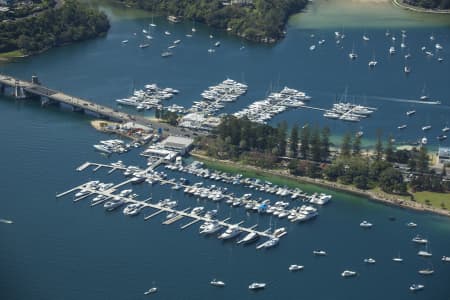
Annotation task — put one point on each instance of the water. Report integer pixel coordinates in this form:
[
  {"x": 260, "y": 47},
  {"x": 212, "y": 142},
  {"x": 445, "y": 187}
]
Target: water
[{"x": 56, "y": 249}]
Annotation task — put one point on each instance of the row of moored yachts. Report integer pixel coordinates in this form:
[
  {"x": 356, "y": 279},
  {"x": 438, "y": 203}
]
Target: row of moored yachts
[
  {"x": 346, "y": 111},
  {"x": 277, "y": 102},
  {"x": 149, "y": 97}
]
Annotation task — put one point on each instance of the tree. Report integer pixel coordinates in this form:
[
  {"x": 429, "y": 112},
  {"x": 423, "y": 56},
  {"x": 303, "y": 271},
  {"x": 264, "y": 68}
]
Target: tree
[
  {"x": 294, "y": 142},
  {"x": 361, "y": 182},
  {"x": 304, "y": 142},
  {"x": 346, "y": 145},
  {"x": 389, "y": 151},
  {"x": 356, "y": 149},
  {"x": 281, "y": 136},
  {"x": 391, "y": 181},
  {"x": 315, "y": 144},
  {"x": 379, "y": 146},
  {"x": 422, "y": 160},
  {"x": 325, "y": 144}
]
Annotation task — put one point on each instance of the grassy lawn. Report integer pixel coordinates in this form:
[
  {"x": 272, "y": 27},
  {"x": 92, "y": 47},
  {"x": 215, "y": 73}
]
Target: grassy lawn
[
  {"x": 377, "y": 190},
  {"x": 435, "y": 198}
]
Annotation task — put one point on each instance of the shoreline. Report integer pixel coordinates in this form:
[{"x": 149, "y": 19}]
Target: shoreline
[
  {"x": 419, "y": 9},
  {"x": 372, "y": 195}
]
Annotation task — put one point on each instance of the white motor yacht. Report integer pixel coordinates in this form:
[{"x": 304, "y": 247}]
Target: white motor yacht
[
  {"x": 151, "y": 291},
  {"x": 348, "y": 273},
  {"x": 269, "y": 243},
  {"x": 426, "y": 272},
  {"x": 249, "y": 238},
  {"x": 365, "y": 224},
  {"x": 411, "y": 224},
  {"x": 416, "y": 287},
  {"x": 210, "y": 227},
  {"x": 230, "y": 233},
  {"x": 445, "y": 258},
  {"x": 257, "y": 286},
  {"x": 419, "y": 240},
  {"x": 294, "y": 268},
  {"x": 218, "y": 283},
  {"x": 319, "y": 252},
  {"x": 113, "y": 204},
  {"x": 369, "y": 260},
  {"x": 402, "y": 126}
]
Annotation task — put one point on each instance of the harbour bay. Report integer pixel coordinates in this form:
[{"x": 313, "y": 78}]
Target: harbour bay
[{"x": 57, "y": 249}]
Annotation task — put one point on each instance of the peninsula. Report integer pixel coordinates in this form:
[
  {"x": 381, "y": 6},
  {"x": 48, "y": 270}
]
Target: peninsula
[
  {"x": 255, "y": 20},
  {"x": 41, "y": 27}
]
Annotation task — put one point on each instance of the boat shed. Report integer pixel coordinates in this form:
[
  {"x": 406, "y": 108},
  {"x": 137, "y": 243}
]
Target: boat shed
[{"x": 177, "y": 143}]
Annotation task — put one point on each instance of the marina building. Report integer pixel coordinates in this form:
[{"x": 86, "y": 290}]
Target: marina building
[
  {"x": 170, "y": 148},
  {"x": 444, "y": 155}
]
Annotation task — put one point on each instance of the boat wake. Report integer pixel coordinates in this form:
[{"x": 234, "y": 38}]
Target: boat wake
[{"x": 392, "y": 99}]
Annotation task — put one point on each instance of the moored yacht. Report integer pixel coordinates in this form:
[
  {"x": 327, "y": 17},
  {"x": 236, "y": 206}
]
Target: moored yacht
[
  {"x": 232, "y": 232},
  {"x": 416, "y": 287},
  {"x": 294, "y": 268},
  {"x": 269, "y": 243},
  {"x": 218, "y": 283},
  {"x": 210, "y": 227},
  {"x": 411, "y": 224},
  {"x": 369, "y": 260},
  {"x": 257, "y": 286},
  {"x": 365, "y": 224},
  {"x": 410, "y": 112},
  {"x": 426, "y": 272},
  {"x": 348, "y": 273},
  {"x": 319, "y": 252},
  {"x": 249, "y": 238},
  {"x": 402, "y": 126},
  {"x": 113, "y": 204},
  {"x": 419, "y": 240}
]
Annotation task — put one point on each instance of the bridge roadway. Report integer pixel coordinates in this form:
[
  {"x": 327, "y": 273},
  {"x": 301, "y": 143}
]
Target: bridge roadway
[{"x": 86, "y": 105}]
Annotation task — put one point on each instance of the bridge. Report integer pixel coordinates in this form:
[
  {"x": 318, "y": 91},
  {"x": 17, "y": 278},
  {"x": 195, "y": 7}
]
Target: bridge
[{"x": 25, "y": 89}]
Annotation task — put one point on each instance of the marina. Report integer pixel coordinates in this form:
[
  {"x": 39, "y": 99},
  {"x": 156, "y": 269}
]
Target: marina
[{"x": 66, "y": 248}]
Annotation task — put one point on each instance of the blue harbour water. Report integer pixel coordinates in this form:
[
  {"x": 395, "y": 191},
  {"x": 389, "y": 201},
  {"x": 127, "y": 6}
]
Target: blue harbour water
[{"x": 57, "y": 249}]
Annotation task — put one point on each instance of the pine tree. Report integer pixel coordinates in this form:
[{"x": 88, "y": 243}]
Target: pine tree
[
  {"x": 379, "y": 146},
  {"x": 422, "y": 160},
  {"x": 294, "y": 142},
  {"x": 315, "y": 144},
  {"x": 346, "y": 145},
  {"x": 325, "y": 144},
  {"x": 356, "y": 147},
  {"x": 389, "y": 151},
  {"x": 281, "y": 135},
  {"x": 304, "y": 142}
]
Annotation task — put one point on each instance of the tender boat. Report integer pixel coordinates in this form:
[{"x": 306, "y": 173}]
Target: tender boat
[
  {"x": 142, "y": 46},
  {"x": 365, "y": 224},
  {"x": 294, "y": 268},
  {"x": 348, "y": 273},
  {"x": 257, "y": 286},
  {"x": 151, "y": 291},
  {"x": 218, "y": 283},
  {"x": 441, "y": 137},
  {"x": 411, "y": 224},
  {"x": 369, "y": 260},
  {"x": 416, "y": 287}
]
